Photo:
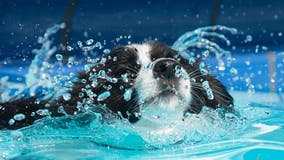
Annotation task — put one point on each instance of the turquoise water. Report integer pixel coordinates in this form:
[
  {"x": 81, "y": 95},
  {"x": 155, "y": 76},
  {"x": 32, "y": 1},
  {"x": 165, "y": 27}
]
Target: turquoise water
[
  {"x": 256, "y": 133},
  {"x": 259, "y": 136}
]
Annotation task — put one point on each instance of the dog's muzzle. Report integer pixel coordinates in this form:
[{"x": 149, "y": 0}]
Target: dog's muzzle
[{"x": 165, "y": 72}]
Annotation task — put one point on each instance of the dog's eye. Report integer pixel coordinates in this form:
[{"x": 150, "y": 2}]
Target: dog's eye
[{"x": 135, "y": 49}]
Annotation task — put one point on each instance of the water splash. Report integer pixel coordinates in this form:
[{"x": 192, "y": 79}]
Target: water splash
[
  {"x": 198, "y": 39},
  {"x": 89, "y": 45},
  {"x": 38, "y": 73}
]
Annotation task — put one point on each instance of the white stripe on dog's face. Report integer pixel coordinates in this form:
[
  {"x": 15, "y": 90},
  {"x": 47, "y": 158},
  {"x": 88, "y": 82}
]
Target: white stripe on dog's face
[
  {"x": 145, "y": 82},
  {"x": 148, "y": 89}
]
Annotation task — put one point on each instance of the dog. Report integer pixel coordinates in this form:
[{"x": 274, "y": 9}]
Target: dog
[{"x": 147, "y": 83}]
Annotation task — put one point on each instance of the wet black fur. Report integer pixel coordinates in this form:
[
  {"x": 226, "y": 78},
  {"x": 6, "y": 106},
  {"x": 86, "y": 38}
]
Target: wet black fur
[{"x": 126, "y": 63}]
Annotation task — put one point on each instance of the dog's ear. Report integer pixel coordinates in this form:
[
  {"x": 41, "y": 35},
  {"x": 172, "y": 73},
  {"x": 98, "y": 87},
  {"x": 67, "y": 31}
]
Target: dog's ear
[{"x": 220, "y": 98}]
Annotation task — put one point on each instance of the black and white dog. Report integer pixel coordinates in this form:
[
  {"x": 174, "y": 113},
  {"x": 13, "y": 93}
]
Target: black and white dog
[{"x": 144, "y": 83}]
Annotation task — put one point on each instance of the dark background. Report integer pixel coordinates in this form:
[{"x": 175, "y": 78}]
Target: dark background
[{"x": 23, "y": 21}]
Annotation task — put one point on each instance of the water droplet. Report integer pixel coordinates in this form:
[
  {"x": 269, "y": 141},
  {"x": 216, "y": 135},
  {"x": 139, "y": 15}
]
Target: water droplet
[
  {"x": 84, "y": 81},
  {"x": 127, "y": 94},
  {"x": 37, "y": 101},
  {"x": 80, "y": 44},
  {"x": 42, "y": 112},
  {"x": 248, "y": 38},
  {"x": 247, "y": 63},
  {"x": 94, "y": 83},
  {"x": 20, "y": 69},
  {"x": 89, "y": 41},
  {"x": 106, "y": 51},
  {"x": 233, "y": 71},
  {"x": 59, "y": 57},
  {"x": 66, "y": 96},
  {"x": 272, "y": 80},
  {"x": 156, "y": 116},
  {"x": 19, "y": 116},
  {"x": 86, "y": 34},
  {"x": 99, "y": 45},
  {"x": 256, "y": 48},
  {"x": 11, "y": 122},
  {"x": 205, "y": 54},
  {"x": 251, "y": 89},
  {"x": 108, "y": 87},
  {"x": 113, "y": 80},
  {"x": 69, "y": 48},
  {"x": 33, "y": 114},
  {"x": 208, "y": 90},
  {"x": 81, "y": 95},
  {"x": 103, "y": 96},
  {"x": 138, "y": 62},
  {"x": 60, "y": 109},
  {"x": 70, "y": 62},
  {"x": 124, "y": 77},
  {"x": 102, "y": 74},
  {"x": 137, "y": 114},
  {"x": 202, "y": 68},
  {"x": 193, "y": 80},
  {"x": 264, "y": 48},
  {"x": 178, "y": 71}
]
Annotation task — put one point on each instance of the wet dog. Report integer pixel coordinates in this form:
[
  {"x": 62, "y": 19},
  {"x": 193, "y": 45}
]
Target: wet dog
[{"x": 147, "y": 83}]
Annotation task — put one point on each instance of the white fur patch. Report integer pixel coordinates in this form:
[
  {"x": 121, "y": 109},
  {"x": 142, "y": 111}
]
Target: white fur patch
[
  {"x": 145, "y": 82},
  {"x": 163, "y": 109},
  {"x": 143, "y": 51}
]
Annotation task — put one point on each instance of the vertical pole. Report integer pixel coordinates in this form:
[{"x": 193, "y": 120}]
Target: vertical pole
[
  {"x": 271, "y": 62},
  {"x": 214, "y": 13},
  {"x": 66, "y": 31}
]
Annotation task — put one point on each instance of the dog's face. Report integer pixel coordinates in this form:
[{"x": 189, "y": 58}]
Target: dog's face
[
  {"x": 149, "y": 83},
  {"x": 151, "y": 77},
  {"x": 162, "y": 83}
]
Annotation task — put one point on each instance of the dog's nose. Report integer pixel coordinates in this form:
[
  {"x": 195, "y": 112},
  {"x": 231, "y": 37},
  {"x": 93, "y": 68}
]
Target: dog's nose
[{"x": 166, "y": 68}]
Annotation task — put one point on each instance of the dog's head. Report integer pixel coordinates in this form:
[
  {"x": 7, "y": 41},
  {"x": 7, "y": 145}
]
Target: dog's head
[{"x": 133, "y": 78}]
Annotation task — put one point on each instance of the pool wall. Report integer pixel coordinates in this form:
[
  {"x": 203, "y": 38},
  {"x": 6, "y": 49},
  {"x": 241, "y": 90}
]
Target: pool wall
[{"x": 259, "y": 61}]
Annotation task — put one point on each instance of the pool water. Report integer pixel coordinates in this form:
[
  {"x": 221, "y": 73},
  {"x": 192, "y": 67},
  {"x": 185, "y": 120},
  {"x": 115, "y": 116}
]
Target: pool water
[
  {"x": 256, "y": 132},
  {"x": 259, "y": 136}
]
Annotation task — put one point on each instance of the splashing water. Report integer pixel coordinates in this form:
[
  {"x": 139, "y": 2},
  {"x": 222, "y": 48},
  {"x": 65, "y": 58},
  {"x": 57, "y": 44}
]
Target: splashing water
[
  {"x": 38, "y": 70},
  {"x": 87, "y": 135},
  {"x": 197, "y": 38}
]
